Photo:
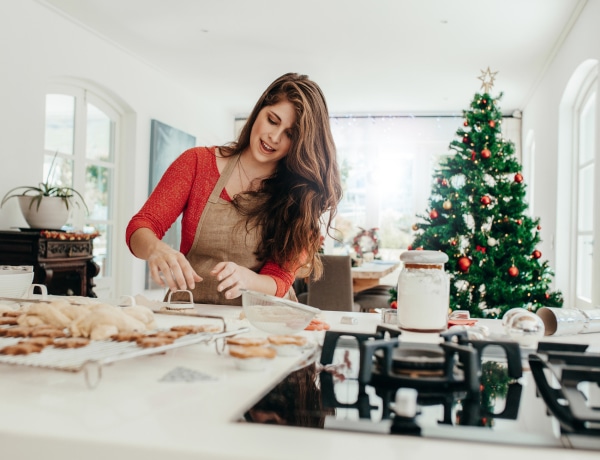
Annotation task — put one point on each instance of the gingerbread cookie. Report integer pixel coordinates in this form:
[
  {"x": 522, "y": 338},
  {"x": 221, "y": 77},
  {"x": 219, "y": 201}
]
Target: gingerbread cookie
[
  {"x": 246, "y": 352},
  {"x": 297, "y": 340},
  {"x": 12, "y": 313},
  {"x": 128, "y": 336},
  {"x": 196, "y": 328},
  {"x": 40, "y": 341},
  {"x": 8, "y": 321},
  {"x": 168, "y": 334},
  {"x": 21, "y": 349},
  {"x": 47, "y": 331},
  {"x": 71, "y": 342},
  {"x": 16, "y": 331},
  {"x": 151, "y": 342},
  {"x": 247, "y": 341}
]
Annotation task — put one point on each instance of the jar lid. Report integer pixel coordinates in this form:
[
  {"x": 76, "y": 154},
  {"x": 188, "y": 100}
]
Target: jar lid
[{"x": 424, "y": 257}]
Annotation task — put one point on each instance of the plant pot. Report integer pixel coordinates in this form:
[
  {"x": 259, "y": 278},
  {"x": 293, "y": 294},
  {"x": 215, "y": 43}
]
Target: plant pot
[{"x": 52, "y": 213}]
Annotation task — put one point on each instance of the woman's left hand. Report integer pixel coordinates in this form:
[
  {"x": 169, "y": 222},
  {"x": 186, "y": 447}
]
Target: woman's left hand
[{"x": 232, "y": 277}]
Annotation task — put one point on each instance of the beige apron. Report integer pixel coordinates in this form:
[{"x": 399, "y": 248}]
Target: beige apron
[{"x": 224, "y": 238}]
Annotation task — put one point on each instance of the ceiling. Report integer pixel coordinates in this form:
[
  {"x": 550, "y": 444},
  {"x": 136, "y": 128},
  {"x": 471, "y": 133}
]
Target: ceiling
[{"x": 369, "y": 56}]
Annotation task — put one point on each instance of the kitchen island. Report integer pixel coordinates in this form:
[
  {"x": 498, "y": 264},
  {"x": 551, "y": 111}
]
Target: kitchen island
[{"x": 139, "y": 410}]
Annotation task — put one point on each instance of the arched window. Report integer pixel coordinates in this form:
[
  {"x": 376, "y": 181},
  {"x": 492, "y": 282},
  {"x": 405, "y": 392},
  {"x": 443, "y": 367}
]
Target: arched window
[
  {"x": 82, "y": 128},
  {"x": 578, "y": 223}
]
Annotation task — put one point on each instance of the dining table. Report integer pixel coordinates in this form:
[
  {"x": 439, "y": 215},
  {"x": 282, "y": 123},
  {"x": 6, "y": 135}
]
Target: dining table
[{"x": 369, "y": 274}]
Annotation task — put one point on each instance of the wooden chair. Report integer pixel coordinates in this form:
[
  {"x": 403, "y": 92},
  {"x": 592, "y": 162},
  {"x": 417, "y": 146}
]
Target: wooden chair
[
  {"x": 375, "y": 298},
  {"x": 334, "y": 290}
]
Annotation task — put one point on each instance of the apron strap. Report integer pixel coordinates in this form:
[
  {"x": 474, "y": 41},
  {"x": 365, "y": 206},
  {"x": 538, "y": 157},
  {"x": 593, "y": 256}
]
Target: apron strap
[
  {"x": 216, "y": 193},
  {"x": 223, "y": 179}
]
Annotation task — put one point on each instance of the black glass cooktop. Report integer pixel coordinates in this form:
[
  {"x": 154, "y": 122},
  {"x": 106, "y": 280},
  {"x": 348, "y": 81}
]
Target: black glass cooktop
[{"x": 459, "y": 390}]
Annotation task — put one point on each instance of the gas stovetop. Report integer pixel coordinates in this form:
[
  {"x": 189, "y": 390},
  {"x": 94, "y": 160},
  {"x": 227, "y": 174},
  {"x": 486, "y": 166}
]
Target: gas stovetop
[{"x": 457, "y": 389}]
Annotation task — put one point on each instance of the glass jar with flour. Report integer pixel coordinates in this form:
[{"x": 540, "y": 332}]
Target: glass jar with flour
[{"x": 423, "y": 292}]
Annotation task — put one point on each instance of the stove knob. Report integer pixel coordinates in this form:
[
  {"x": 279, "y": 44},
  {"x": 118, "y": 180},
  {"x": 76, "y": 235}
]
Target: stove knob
[{"x": 406, "y": 402}]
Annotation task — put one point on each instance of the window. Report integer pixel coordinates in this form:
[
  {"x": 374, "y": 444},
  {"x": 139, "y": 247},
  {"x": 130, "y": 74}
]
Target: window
[
  {"x": 578, "y": 221},
  {"x": 584, "y": 176},
  {"x": 387, "y": 165},
  {"x": 80, "y": 138}
]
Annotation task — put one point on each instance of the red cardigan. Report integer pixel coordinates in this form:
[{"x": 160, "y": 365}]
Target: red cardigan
[{"x": 185, "y": 188}]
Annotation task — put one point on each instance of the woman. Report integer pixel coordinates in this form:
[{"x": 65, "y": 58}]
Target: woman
[{"x": 253, "y": 210}]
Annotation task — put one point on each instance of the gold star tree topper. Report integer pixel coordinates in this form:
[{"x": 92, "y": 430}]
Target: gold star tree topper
[{"x": 487, "y": 79}]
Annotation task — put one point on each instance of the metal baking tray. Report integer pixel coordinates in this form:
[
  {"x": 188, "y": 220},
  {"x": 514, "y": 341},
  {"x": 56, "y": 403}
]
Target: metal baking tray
[{"x": 98, "y": 353}]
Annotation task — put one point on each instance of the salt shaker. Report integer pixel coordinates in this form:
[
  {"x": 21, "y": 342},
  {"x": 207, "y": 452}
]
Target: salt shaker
[{"x": 423, "y": 292}]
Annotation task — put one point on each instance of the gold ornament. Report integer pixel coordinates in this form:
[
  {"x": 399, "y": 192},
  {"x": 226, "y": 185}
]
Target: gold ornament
[
  {"x": 415, "y": 227},
  {"x": 447, "y": 205}
]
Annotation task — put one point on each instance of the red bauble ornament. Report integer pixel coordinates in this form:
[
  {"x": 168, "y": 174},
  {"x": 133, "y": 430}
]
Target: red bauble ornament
[
  {"x": 453, "y": 243},
  {"x": 519, "y": 221},
  {"x": 539, "y": 227},
  {"x": 547, "y": 296},
  {"x": 518, "y": 178},
  {"x": 485, "y": 200},
  {"x": 536, "y": 254},
  {"x": 485, "y": 154},
  {"x": 465, "y": 140},
  {"x": 433, "y": 214},
  {"x": 463, "y": 264},
  {"x": 492, "y": 124},
  {"x": 465, "y": 123},
  {"x": 473, "y": 153},
  {"x": 513, "y": 271},
  {"x": 444, "y": 183}
]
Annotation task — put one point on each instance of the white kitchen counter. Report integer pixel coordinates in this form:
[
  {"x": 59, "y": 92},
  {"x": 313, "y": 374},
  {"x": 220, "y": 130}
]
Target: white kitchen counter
[{"x": 54, "y": 415}]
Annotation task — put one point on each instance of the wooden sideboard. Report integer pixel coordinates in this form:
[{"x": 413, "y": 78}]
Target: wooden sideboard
[{"x": 62, "y": 262}]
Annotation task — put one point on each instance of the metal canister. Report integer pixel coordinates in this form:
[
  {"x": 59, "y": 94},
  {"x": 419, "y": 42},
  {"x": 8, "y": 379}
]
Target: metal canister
[{"x": 423, "y": 292}]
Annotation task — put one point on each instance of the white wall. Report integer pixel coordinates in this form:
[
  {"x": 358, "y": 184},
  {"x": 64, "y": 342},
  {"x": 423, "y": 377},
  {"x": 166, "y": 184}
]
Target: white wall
[
  {"x": 38, "y": 45},
  {"x": 541, "y": 116}
]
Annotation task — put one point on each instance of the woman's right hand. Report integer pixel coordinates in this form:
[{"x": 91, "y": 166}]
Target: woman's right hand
[{"x": 168, "y": 267}]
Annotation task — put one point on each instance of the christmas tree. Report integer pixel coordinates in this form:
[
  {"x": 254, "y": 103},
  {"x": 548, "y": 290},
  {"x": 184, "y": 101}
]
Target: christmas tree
[{"x": 476, "y": 215}]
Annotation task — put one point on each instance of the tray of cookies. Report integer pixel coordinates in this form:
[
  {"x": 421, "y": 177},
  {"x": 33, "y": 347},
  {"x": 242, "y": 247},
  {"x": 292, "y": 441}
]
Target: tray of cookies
[{"x": 72, "y": 337}]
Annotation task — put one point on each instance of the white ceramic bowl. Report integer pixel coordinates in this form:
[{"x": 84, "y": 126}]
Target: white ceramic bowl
[
  {"x": 276, "y": 315},
  {"x": 15, "y": 283}
]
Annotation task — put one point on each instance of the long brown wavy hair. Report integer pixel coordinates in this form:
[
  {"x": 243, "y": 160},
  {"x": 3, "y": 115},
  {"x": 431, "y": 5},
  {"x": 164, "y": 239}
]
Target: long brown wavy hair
[{"x": 302, "y": 195}]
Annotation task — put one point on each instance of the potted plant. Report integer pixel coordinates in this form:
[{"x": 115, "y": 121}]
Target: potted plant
[{"x": 46, "y": 206}]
